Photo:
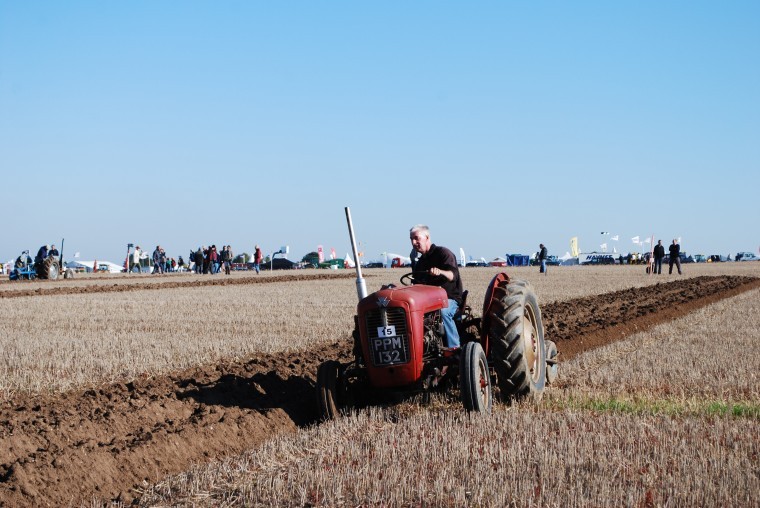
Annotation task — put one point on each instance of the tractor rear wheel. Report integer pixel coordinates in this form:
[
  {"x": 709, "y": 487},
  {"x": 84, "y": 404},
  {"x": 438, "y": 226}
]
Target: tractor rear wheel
[
  {"x": 49, "y": 269},
  {"x": 552, "y": 367},
  {"x": 474, "y": 379},
  {"x": 517, "y": 338},
  {"x": 331, "y": 396}
]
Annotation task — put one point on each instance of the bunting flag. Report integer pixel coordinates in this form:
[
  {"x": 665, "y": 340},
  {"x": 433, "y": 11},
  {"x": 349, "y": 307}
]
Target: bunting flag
[
  {"x": 76, "y": 255},
  {"x": 320, "y": 254},
  {"x": 615, "y": 238},
  {"x": 604, "y": 247},
  {"x": 332, "y": 253},
  {"x": 635, "y": 240},
  {"x": 648, "y": 240}
]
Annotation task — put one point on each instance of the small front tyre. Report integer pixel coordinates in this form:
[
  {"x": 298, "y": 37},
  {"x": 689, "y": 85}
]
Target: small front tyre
[
  {"x": 552, "y": 362},
  {"x": 474, "y": 379}
]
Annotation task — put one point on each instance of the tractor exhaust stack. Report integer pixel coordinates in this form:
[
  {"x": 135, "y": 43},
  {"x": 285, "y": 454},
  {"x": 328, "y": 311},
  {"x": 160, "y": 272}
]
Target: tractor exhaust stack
[{"x": 361, "y": 286}]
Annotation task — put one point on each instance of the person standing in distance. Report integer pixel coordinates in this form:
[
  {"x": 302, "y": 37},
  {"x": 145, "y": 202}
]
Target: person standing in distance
[
  {"x": 437, "y": 266},
  {"x": 675, "y": 256},
  {"x": 542, "y": 255},
  {"x": 257, "y": 258},
  {"x": 659, "y": 254}
]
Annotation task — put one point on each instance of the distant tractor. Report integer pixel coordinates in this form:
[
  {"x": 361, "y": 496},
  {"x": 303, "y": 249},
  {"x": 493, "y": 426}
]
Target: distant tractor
[
  {"x": 399, "y": 347},
  {"x": 48, "y": 268}
]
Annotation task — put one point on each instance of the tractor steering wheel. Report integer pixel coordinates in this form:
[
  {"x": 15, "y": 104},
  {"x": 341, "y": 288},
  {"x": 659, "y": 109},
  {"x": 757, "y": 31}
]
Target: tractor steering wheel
[{"x": 408, "y": 278}]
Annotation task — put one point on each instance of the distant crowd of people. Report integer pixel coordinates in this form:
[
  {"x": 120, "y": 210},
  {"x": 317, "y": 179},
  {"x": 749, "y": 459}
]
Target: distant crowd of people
[{"x": 204, "y": 260}]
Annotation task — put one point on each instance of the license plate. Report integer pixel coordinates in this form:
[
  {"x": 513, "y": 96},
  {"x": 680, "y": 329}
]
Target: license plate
[{"x": 389, "y": 350}]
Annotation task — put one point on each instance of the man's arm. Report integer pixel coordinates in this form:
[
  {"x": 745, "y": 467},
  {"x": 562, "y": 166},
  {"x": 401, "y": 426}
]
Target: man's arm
[
  {"x": 446, "y": 266},
  {"x": 438, "y": 272}
]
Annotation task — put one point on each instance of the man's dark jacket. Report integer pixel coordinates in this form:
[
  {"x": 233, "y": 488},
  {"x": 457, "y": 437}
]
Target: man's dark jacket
[{"x": 444, "y": 259}]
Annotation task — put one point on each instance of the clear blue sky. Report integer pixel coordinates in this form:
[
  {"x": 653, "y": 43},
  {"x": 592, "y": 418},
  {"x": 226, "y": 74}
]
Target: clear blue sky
[{"x": 498, "y": 124}]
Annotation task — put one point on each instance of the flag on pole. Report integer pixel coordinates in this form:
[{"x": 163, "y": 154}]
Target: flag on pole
[
  {"x": 574, "y": 246},
  {"x": 320, "y": 254},
  {"x": 604, "y": 247},
  {"x": 615, "y": 238},
  {"x": 635, "y": 240},
  {"x": 332, "y": 253},
  {"x": 648, "y": 240}
]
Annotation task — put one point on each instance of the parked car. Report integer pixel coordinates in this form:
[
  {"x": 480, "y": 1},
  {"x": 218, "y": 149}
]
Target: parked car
[
  {"x": 374, "y": 264},
  {"x": 745, "y": 256},
  {"x": 477, "y": 263},
  {"x": 685, "y": 258},
  {"x": 278, "y": 264},
  {"x": 551, "y": 260}
]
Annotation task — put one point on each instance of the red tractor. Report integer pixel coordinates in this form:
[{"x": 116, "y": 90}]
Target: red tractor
[{"x": 399, "y": 347}]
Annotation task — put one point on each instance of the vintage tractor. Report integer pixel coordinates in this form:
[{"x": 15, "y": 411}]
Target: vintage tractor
[
  {"x": 399, "y": 347},
  {"x": 48, "y": 268}
]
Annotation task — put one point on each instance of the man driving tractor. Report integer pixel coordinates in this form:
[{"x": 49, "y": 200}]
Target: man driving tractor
[{"x": 435, "y": 265}]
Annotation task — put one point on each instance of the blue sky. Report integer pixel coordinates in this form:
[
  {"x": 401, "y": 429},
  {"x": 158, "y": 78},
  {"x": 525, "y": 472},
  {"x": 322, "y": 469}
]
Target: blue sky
[{"x": 498, "y": 124}]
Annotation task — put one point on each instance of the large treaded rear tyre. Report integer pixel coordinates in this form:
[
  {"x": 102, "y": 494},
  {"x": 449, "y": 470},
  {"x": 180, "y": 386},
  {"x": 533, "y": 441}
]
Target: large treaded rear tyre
[
  {"x": 517, "y": 341},
  {"x": 48, "y": 269},
  {"x": 474, "y": 379},
  {"x": 331, "y": 391}
]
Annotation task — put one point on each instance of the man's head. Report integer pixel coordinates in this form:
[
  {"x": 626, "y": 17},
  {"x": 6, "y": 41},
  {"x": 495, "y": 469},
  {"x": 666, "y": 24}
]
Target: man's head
[
  {"x": 659, "y": 242},
  {"x": 675, "y": 241},
  {"x": 541, "y": 245},
  {"x": 420, "y": 238},
  {"x": 52, "y": 247}
]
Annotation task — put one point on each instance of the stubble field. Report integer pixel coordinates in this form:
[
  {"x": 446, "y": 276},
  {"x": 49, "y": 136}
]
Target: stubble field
[{"x": 108, "y": 385}]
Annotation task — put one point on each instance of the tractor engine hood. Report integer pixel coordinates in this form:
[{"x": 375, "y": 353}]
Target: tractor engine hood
[
  {"x": 419, "y": 298},
  {"x": 391, "y": 326}
]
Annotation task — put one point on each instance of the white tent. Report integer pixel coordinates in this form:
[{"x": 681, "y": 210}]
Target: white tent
[{"x": 568, "y": 259}]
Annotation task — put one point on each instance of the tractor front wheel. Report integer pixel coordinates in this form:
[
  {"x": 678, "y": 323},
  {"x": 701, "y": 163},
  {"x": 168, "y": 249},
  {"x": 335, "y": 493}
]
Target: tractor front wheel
[
  {"x": 331, "y": 391},
  {"x": 68, "y": 274},
  {"x": 517, "y": 337},
  {"x": 552, "y": 365},
  {"x": 474, "y": 379}
]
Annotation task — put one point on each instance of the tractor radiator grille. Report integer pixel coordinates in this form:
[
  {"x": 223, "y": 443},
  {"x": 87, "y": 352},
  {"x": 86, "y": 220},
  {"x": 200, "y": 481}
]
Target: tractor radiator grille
[{"x": 387, "y": 348}]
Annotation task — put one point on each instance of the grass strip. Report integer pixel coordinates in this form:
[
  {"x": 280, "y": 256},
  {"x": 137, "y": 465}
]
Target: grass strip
[{"x": 659, "y": 407}]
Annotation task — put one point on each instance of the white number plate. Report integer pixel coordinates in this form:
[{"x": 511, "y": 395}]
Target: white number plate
[{"x": 388, "y": 350}]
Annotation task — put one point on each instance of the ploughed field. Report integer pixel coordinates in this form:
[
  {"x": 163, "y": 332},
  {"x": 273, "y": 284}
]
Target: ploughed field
[{"x": 113, "y": 387}]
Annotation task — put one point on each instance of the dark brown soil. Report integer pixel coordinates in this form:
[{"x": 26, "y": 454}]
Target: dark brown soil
[
  {"x": 108, "y": 442},
  {"x": 122, "y": 284}
]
